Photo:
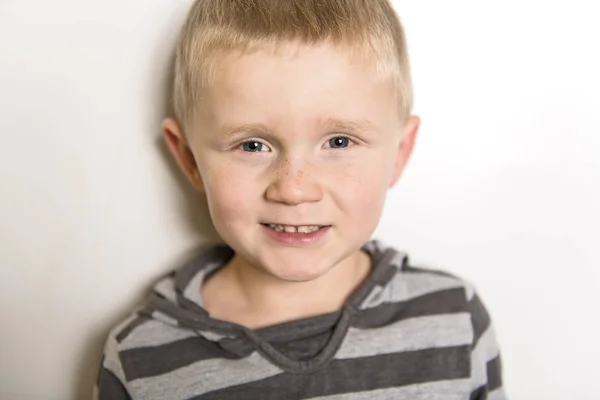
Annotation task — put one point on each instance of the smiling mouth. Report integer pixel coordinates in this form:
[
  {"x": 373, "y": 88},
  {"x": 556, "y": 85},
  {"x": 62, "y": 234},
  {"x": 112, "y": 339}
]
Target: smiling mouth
[{"x": 295, "y": 228}]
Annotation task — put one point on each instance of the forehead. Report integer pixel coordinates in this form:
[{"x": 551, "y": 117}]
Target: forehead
[{"x": 298, "y": 83}]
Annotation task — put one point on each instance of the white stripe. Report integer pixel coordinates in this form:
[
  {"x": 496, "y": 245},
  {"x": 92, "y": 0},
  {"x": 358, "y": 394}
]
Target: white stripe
[
  {"x": 114, "y": 332},
  {"x": 486, "y": 350},
  {"x": 167, "y": 319},
  {"x": 442, "y": 390},
  {"x": 202, "y": 377},
  {"x": 470, "y": 290},
  {"x": 375, "y": 246},
  {"x": 111, "y": 359},
  {"x": 154, "y": 333},
  {"x": 192, "y": 290},
  {"x": 406, "y": 286},
  {"x": 408, "y": 335},
  {"x": 497, "y": 394},
  {"x": 166, "y": 288},
  {"x": 397, "y": 259},
  {"x": 214, "y": 337}
]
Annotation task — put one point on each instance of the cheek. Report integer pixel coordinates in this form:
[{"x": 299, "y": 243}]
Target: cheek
[
  {"x": 364, "y": 185},
  {"x": 229, "y": 197}
]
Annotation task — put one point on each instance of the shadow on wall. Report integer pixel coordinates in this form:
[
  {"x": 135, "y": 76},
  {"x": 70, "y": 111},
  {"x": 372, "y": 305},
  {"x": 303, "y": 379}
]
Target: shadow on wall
[{"x": 196, "y": 210}]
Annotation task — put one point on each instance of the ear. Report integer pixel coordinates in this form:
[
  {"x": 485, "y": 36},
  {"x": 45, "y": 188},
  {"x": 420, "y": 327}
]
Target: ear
[
  {"x": 180, "y": 149},
  {"x": 405, "y": 149}
]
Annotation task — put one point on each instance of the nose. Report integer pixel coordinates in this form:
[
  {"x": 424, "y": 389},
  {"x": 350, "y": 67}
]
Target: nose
[{"x": 294, "y": 184}]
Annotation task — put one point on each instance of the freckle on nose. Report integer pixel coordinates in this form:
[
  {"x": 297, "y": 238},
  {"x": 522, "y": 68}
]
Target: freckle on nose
[{"x": 299, "y": 176}]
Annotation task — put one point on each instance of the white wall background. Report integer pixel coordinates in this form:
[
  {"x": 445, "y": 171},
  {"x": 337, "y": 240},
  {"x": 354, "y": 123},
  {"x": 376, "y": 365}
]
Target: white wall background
[{"x": 504, "y": 187}]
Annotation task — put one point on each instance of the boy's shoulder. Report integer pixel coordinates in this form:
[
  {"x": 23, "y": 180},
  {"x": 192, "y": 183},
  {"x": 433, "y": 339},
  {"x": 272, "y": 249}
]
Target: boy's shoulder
[
  {"x": 404, "y": 290},
  {"x": 400, "y": 280}
]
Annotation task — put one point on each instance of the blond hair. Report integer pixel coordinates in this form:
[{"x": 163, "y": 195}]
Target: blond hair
[{"x": 213, "y": 27}]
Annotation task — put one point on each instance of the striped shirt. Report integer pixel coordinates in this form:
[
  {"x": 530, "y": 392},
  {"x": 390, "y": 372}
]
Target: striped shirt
[{"x": 407, "y": 333}]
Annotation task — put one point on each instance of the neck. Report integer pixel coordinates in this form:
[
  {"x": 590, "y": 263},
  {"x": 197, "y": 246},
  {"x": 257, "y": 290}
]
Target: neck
[{"x": 262, "y": 299}]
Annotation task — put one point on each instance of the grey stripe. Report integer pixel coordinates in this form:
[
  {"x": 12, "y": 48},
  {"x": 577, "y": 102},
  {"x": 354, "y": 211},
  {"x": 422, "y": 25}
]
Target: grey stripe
[
  {"x": 110, "y": 387},
  {"x": 154, "y": 333},
  {"x": 407, "y": 335},
  {"x": 406, "y": 286},
  {"x": 457, "y": 389},
  {"x": 480, "y": 316},
  {"x": 143, "y": 362},
  {"x": 494, "y": 373},
  {"x": 202, "y": 377}
]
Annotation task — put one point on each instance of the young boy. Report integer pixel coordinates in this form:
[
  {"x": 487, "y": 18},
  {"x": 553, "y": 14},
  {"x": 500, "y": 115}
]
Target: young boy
[{"x": 293, "y": 118}]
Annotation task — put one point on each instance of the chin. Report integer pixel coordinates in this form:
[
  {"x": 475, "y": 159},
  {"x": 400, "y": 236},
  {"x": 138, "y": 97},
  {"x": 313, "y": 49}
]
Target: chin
[
  {"x": 299, "y": 276},
  {"x": 295, "y": 271}
]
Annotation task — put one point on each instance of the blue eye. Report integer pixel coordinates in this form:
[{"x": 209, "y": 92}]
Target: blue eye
[
  {"x": 339, "y": 142},
  {"x": 253, "y": 147}
]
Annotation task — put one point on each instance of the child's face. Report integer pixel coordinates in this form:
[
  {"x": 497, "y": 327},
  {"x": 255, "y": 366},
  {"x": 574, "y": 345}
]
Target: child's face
[{"x": 307, "y": 137}]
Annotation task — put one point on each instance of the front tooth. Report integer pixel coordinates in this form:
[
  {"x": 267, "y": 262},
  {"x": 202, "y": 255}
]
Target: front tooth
[
  {"x": 308, "y": 229},
  {"x": 290, "y": 229},
  {"x": 304, "y": 229}
]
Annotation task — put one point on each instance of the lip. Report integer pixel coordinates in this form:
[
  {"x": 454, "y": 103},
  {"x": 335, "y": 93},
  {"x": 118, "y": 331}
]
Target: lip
[{"x": 296, "y": 239}]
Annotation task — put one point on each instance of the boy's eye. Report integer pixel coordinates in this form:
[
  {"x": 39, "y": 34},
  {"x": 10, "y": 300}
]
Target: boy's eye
[
  {"x": 254, "y": 147},
  {"x": 338, "y": 142}
]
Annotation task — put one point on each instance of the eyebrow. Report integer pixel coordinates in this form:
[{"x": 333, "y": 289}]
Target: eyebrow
[
  {"x": 231, "y": 130},
  {"x": 333, "y": 124},
  {"x": 359, "y": 126}
]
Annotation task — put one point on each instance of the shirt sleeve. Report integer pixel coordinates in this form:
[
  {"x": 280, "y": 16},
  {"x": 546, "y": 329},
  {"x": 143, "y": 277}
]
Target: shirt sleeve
[
  {"x": 486, "y": 362},
  {"x": 110, "y": 384}
]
